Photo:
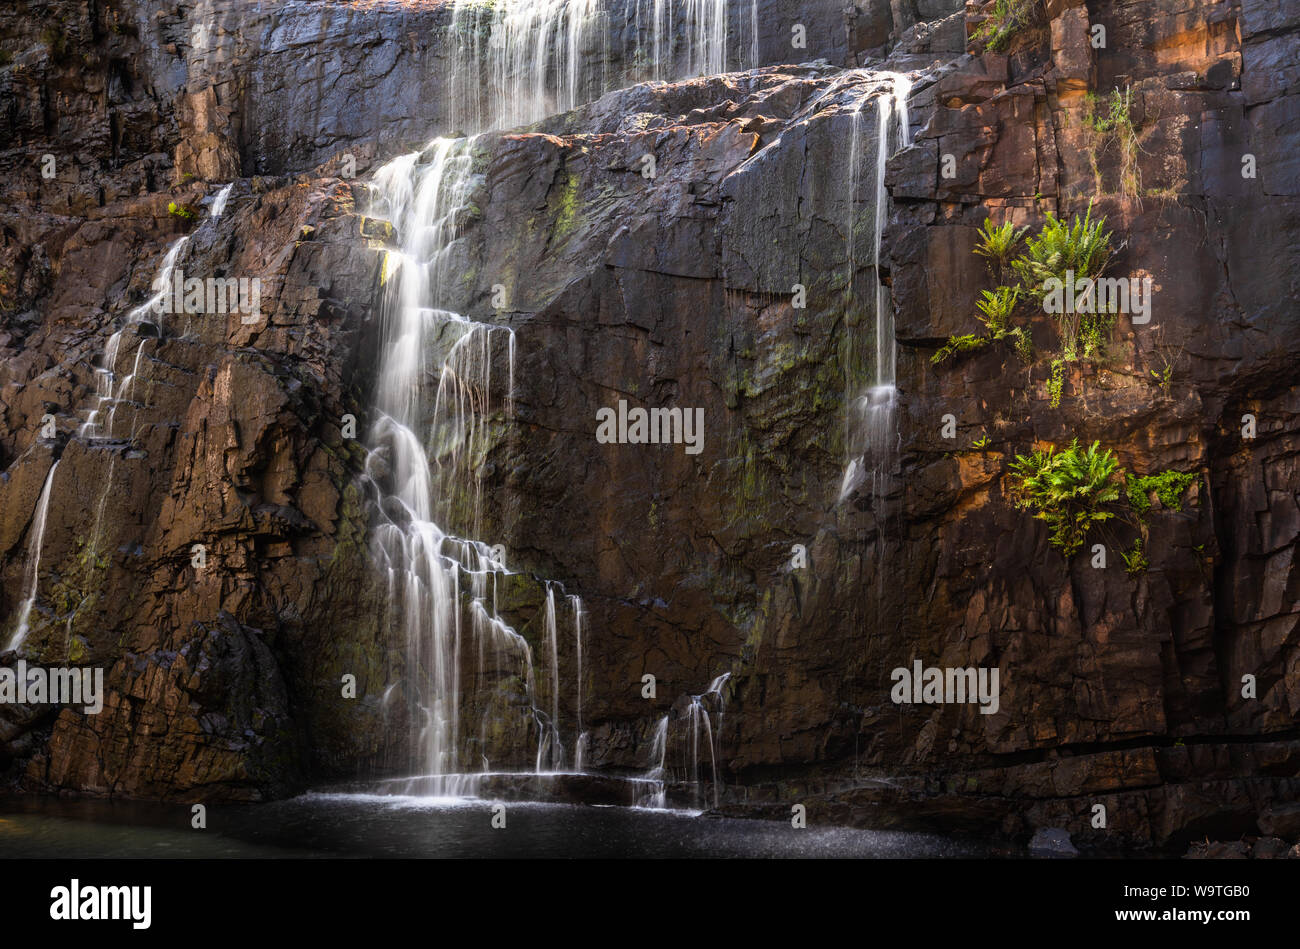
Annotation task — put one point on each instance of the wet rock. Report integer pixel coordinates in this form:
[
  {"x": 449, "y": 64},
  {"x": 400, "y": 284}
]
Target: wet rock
[
  {"x": 1281, "y": 820},
  {"x": 672, "y": 290},
  {"x": 1052, "y": 842},
  {"x": 1269, "y": 848},
  {"x": 1218, "y": 850}
]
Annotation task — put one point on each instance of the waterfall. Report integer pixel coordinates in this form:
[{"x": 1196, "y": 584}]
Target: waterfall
[
  {"x": 219, "y": 202},
  {"x": 580, "y": 745},
  {"x": 871, "y": 427},
  {"x": 699, "y": 728},
  {"x": 126, "y": 390},
  {"x": 896, "y": 103},
  {"x": 753, "y": 34},
  {"x": 109, "y": 394},
  {"x": 423, "y": 564},
  {"x": 551, "y": 727},
  {"x": 32, "y": 577},
  {"x": 699, "y": 714},
  {"x": 707, "y": 50},
  {"x": 434, "y": 426},
  {"x": 515, "y": 62},
  {"x": 657, "y": 774},
  {"x": 531, "y": 54},
  {"x": 107, "y": 391}
]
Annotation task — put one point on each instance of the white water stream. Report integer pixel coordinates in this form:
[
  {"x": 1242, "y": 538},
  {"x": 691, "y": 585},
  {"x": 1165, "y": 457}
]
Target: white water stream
[{"x": 871, "y": 420}]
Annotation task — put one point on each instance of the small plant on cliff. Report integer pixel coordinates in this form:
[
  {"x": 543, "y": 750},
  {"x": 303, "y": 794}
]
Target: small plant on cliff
[
  {"x": 1006, "y": 19},
  {"x": 1075, "y": 488},
  {"x": 55, "y": 40},
  {"x": 1061, "y": 253},
  {"x": 1164, "y": 378},
  {"x": 1111, "y": 121},
  {"x": 996, "y": 307},
  {"x": 8, "y": 290},
  {"x": 1056, "y": 383},
  {"x": 1067, "y": 489},
  {"x": 997, "y": 242},
  {"x": 1134, "y": 560},
  {"x": 1060, "y": 258},
  {"x": 181, "y": 211},
  {"x": 957, "y": 345},
  {"x": 995, "y": 313},
  {"x": 1167, "y": 485},
  {"x": 1167, "y": 357},
  {"x": 1081, "y": 247},
  {"x": 1095, "y": 332}
]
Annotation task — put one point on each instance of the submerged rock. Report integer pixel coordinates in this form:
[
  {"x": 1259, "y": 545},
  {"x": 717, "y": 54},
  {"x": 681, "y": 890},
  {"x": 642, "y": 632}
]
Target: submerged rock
[{"x": 1052, "y": 842}]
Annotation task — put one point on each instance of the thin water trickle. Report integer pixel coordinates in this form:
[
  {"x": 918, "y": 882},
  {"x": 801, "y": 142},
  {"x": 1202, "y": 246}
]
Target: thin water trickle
[
  {"x": 219, "y": 202},
  {"x": 110, "y": 392},
  {"x": 871, "y": 416},
  {"x": 656, "y": 777},
  {"x": 31, "y": 580},
  {"x": 580, "y": 746}
]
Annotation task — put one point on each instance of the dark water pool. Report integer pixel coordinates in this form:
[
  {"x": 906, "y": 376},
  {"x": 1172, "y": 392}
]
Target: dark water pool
[{"x": 361, "y": 825}]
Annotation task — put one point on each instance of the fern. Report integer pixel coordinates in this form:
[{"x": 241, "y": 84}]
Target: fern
[
  {"x": 1082, "y": 247},
  {"x": 1134, "y": 560},
  {"x": 997, "y": 307},
  {"x": 1067, "y": 490},
  {"x": 997, "y": 242},
  {"x": 1006, "y": 19},
  {"x": 958, "y": 345},
  {"x": 1024, "y": 343}
]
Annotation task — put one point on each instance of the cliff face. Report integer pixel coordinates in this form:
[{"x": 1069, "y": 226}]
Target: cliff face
[{"x": 676, "y": 290}]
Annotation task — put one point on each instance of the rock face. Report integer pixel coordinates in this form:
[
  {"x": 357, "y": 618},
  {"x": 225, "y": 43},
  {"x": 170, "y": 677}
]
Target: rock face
[{"x": 1116, "y": 690}]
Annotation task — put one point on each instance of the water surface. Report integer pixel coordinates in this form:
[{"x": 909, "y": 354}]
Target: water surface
[{"x": 328, "y": 824}]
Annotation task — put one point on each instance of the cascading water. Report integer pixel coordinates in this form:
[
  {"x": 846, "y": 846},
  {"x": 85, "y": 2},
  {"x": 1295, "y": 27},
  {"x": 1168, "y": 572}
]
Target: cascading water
[
  {"x": 698, "y": 716},
  {"x": 109, "y": 394},
  {"x": 580, "y": 746},
  {"x": 696, "y": 734},
  {"x": 108, "y": 390},
  {"x": 871, "y": 418},
  {"x": 533, "y": 50},
  {"x": 549, "y": 56},
  {"x": 30, "y": 581},
  {"x": 220, "y": 201},
  {"x": 656, "y": 776},
  {"x": 442, "y": 587},
  {"x": 551, "y": 745},
  {"x": 542, "y": 57},
  {"x": 707, "y": 51}
]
